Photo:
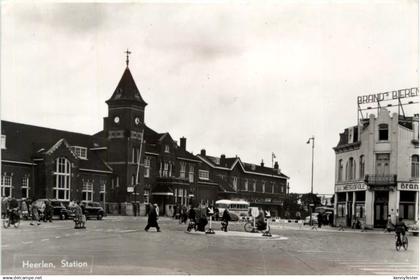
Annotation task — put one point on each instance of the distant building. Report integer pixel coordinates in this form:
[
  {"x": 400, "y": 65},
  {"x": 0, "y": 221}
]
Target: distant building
[
  {"x": 230, "y": 178},
  {"x": 377, "y": 170}
]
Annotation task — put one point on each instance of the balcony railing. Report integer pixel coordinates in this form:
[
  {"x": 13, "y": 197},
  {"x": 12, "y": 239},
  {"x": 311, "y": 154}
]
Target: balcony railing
[{"x": 381, "y": 180}]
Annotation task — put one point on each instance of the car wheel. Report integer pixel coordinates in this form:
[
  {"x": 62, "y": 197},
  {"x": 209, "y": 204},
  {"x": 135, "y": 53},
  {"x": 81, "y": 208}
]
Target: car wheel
[
  {"x": 99, "y": 217},
  {"x": 62, "y": 216}
]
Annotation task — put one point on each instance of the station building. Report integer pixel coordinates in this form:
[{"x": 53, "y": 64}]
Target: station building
[
  {"x": 377, "y": 171},
  {"x": 126, "y": 165}
]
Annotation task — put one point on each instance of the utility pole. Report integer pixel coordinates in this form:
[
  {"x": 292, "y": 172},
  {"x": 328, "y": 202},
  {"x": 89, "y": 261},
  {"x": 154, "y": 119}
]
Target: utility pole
[{"x": 312, "y": 178}]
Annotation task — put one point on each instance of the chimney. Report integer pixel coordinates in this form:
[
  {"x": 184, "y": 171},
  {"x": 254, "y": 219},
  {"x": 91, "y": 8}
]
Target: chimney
[
  {"x": 262, "y": 163},
  {"x": 276, "y": 165},
  {"x": 222, "y": 160},
  {"x": 203, "y": 152},
  {"x": 183, "y": 143}
]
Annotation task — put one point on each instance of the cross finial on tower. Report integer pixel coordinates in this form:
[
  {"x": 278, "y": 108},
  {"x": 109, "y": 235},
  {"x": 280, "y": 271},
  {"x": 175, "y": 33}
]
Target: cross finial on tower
[{"x": 128, "y": 53}]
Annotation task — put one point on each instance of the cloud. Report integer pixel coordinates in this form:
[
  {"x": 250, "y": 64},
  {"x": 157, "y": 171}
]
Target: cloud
[{"x": 70, "y": 18}]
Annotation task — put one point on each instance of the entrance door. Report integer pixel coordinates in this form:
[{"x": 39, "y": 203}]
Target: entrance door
[
  {"x": 381, "y": 208},
  {"x": 349, "y": 212}
]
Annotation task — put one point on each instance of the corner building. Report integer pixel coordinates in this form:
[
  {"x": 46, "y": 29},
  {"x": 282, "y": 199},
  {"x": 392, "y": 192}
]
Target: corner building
[{"x": 377, "y": 171}]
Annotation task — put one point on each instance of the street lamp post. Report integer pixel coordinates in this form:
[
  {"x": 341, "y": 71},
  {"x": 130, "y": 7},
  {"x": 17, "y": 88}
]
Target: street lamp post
[{"x": 312, "y": 177}]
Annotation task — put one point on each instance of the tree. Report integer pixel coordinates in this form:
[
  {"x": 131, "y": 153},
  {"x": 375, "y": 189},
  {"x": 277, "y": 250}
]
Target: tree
[
  {"x": 291, "y": 205},
  {"x": 310, "y": 198}
]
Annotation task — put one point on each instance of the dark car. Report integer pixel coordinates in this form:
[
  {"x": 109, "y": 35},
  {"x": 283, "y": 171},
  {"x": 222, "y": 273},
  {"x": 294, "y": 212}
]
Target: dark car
[
  {"x": 93, "y": 210},
  {"x": 59, "y": 210}
]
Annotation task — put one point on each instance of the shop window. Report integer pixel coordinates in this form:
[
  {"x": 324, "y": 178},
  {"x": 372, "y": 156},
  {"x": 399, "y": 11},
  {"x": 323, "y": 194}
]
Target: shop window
[
  {"x": 341, "y": 207},
  {"x": 360, "y": 210},
  {"x": 407, "y": 204},
  {"x": 383, "y": 132},
  {"x": 415, "y": 166},
  {"x": 146, "y": 196},
  {"x": 341, "y": 197}
]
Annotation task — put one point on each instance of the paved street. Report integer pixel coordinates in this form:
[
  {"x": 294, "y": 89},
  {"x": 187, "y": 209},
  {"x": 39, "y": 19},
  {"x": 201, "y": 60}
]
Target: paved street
[{"x": 119, "y": 245}]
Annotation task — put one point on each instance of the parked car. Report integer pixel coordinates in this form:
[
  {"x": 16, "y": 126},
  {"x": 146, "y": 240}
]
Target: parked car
[
  {"x": 314, "y": 219},
  {"x": 93, "y": 210},
  {"x": 413, "y": 227},
  {"x": 59, "y": 210}
]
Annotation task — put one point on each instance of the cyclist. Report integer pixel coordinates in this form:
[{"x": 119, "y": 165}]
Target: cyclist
[
  {"x": 400, "y": 228},
  {"x": 260, "y": 220}
]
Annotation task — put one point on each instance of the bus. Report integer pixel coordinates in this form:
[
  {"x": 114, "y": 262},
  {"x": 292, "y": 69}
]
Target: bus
[{"x": 237, "y": 208}]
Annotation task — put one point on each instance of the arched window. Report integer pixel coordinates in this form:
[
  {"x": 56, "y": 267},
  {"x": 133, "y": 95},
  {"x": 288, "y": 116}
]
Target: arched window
[
  {"x": 340, "y": 170},
  {"x": 383, "y": 132},
  {"x": 415, "y": 166},
  {"x": 62, "y": 179},
  {"x": 362, "y": 167}
]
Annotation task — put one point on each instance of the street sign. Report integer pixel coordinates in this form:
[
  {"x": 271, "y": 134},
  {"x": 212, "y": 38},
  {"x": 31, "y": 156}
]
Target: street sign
[
  {"x": 254, "y": 211},
  {"x": 312, "y": 205},
  {"x": 130, "y": 189}
]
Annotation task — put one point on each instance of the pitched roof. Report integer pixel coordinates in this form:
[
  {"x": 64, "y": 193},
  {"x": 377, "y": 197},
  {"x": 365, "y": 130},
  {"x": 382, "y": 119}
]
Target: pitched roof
[
  {"x": 24, "y": 142},
  {"x": 247, "y": 167},
  {"x": 127, "y": 91}
]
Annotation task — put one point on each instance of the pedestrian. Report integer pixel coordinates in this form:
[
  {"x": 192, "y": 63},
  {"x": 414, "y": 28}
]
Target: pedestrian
[
  {"x": 35, "y": 214},
  {"x": 319, "y": 220},
  {"x": 216, "y": 213},
  {"x": 48, "y": 211},
  {"x": 79, "y": 217},
  {"x": 157, "y": 209},
  {"x": 202, "y": 217},
  {"x": 152, "y": 218},
  {"x": 175, "y": 211},
  {"x": 225, "y": 219},
  {"x": 4, "y": 206},
  {"x": 389, "y": 225}
]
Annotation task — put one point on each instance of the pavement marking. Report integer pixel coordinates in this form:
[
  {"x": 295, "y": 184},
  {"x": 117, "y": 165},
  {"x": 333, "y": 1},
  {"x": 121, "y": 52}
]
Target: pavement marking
[
  {"x": 58, "y": 237},
  {"x": 128, "y": 230},
  {"x": 27, "y": 242},
  {"x": 45, "y": 239}
]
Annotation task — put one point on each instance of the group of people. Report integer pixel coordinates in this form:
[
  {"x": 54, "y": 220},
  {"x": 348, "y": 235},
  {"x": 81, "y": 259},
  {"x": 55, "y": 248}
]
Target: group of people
[{"x": 38, "y": 211}]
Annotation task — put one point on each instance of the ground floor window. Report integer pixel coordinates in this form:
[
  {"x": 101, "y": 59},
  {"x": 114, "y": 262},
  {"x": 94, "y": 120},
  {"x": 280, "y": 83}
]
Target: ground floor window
[
  {"x": 87, "y": 191},
  {"x": 341, "y": 209},
  {"x": 25, "y": 187},
  {"x": 360, "y": 210},
  {"x": 146, "y": 196},
  {"x": 102, "y": 192},
  {"x": 407, "y": 204},
  {"x": 6, "y": 186}
]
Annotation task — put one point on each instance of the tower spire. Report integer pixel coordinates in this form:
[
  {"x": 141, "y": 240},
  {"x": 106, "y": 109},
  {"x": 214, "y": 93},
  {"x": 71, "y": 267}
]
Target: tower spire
[{"x": 127, "y": 60}]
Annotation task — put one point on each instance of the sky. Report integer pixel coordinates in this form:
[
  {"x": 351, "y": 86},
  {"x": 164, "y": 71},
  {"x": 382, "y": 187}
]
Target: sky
[{"x": 236, "y": 78}]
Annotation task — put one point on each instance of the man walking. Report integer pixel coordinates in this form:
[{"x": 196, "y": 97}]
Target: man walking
[{"x": 152, "y": 218}]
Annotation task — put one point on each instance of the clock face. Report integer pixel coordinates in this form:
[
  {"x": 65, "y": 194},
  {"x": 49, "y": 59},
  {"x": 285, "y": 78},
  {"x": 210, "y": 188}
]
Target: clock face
[
  {"x": 117, "y": 119},
  {"x": 137, "y": 120}
]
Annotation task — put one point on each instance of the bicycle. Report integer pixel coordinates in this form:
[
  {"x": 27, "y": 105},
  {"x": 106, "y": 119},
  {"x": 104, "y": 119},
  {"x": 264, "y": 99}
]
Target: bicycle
[
  {"x": 249, "y": 227},
  {"x": 401, "y": 243}
]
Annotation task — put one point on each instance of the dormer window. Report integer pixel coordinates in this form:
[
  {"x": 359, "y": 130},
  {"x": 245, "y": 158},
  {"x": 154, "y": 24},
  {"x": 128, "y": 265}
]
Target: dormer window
[
  {"x": 81, "y": 152},
  {"x": 3, "y": 142},
  {"x": 383, "y": 132},
  {"x": 166, "y": 148}
]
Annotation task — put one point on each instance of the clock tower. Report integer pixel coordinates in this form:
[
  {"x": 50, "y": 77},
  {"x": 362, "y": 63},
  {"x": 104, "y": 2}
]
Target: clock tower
[{"x": 124, "y": 131}]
